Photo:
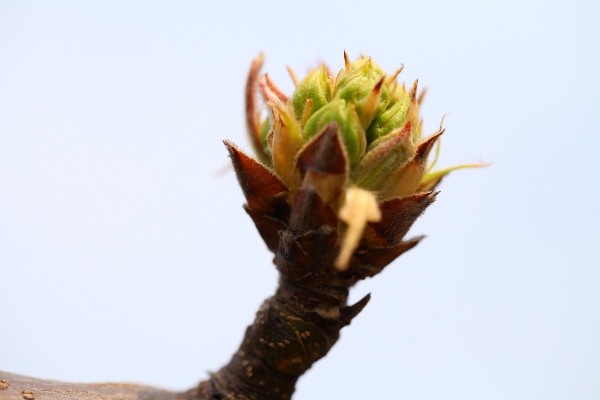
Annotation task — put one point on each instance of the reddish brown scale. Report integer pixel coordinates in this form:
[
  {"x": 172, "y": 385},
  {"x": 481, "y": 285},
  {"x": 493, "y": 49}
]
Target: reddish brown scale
[
  {"x": 263, "y": 190},
  {"x": 378, "y": 258},
  {"x": 322, "y": 162},
  {"x": 397, "y": 216},
  {"x": 267, "y": 196}
]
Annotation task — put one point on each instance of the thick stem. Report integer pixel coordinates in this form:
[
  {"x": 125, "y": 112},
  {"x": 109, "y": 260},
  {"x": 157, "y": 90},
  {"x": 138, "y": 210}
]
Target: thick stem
[
  {"x": 298, "y": 325},
  {"x": 292, "y": 330}
]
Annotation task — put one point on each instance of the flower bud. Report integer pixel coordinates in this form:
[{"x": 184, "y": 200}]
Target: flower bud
[
  {"x": 344, "y": 114},
  {"x": 361, "y": 83},
  {"x": 346, "y": 155},
  {"x": 285, "y": 142},
  {"x": 389, "y": 120},
  {"x": 316, "y": 87}
]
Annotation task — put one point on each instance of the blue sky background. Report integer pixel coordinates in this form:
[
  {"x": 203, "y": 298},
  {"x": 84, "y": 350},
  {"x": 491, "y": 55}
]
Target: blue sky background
[{"x": 123, "y": 257}]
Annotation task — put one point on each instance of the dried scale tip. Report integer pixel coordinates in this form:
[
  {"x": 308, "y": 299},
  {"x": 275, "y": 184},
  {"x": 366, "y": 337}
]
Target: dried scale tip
[{"x": 342, "y": 174}]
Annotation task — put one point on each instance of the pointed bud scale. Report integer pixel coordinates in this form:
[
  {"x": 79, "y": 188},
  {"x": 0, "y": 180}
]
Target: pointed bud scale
[
  {"x": 398, "y": 215},
  {"x": 324, "y": 153},
  {"x": 307, "y": 113},
  {"x": 348, "y": 313},
  {"x": 256, "y": 180},
  {"x": 391, "y": 79},
  {"x": 347, "y": 64},
  {"x": 370, "y": 105},
  {"x": 265, "y": 193},
  {"x": 268, "y": 227},
  {"x": 412, "y": 94},
  {"x": 285, "y": 144},
  {"x": 280, "y": 95},
  {"x": 293, "y": 76},
  {"x": 381, "y": 257},
  {"x": 412, "y": 113},
  {"x": 317, "y": 87},
  {"x": 252, "y": 109},
  {"x": 421, "y": 96},
  {"x": 406, "y": 180},
  {"x": 322, "y": 163},
  {"x": 384, "y": 156}
]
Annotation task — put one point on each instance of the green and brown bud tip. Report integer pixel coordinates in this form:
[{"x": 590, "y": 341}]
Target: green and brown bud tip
[{"x": 374, "y": 117}]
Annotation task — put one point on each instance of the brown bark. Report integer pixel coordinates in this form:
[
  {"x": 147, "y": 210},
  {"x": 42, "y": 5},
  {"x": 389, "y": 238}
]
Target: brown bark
[{"x": 19, "y": 387}]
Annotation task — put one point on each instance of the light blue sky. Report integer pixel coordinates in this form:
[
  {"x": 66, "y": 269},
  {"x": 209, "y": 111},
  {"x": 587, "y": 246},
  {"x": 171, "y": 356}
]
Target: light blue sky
[{"x": 123, "y": 258}]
